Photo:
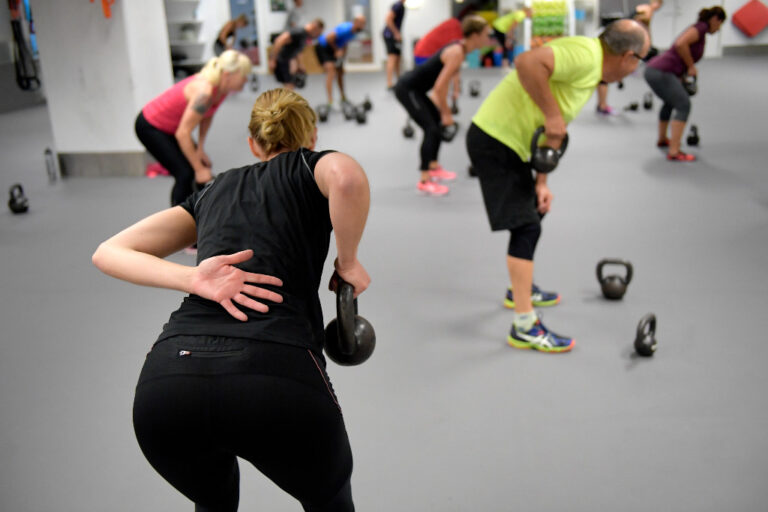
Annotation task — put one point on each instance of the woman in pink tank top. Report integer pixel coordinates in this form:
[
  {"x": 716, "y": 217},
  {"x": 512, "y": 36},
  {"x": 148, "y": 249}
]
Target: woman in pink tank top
[{"x": 166, "y": 123}]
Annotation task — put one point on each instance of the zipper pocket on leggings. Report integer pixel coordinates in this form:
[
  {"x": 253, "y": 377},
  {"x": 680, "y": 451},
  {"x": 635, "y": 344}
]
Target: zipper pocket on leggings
[{"x": 207, "y": 353}]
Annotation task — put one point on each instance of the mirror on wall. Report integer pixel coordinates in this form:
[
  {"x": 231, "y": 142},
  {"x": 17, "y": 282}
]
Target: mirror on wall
[
  {"x": 360, "y": 50},
  {"x": 246, "y": 38}
]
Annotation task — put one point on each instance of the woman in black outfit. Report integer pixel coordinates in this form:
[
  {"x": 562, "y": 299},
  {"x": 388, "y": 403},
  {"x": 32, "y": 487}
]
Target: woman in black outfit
[
  {"x": 238, "y": 370},
  {"x": 431, "y": 112}
]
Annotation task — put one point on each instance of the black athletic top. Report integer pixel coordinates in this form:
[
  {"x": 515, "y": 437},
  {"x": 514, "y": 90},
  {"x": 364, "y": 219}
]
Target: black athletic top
[
  {"x": 423, "y": 77},
  {"x": 299, "y": 38},
  {"x": 276, "y": 209}
]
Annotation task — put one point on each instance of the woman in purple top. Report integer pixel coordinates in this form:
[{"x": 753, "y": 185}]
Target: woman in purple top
[{"x": 665, "y": 74}]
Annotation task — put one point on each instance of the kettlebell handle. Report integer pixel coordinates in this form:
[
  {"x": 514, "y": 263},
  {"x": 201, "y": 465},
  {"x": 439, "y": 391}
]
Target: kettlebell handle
[
  {"x": 346, "y": 310},
  {"x": 535, "y": 141},
  {"x": 17, "y": 191},
  {"x": 613, "y": 261},
  {"x": 647, "y": 325}
]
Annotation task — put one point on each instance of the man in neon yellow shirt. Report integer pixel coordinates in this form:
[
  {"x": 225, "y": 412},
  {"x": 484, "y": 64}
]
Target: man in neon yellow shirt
[
  {"x": 504, "y": 30},
  {"x": 549, "y": 87}
]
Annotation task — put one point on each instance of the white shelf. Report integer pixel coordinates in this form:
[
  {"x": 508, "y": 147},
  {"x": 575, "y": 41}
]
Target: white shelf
[
  {"x": 197, "y": 23},
  {"x": 187, "y": 43}
]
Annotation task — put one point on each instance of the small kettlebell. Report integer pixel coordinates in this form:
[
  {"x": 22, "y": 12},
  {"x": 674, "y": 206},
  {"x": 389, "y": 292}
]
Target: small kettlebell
[
  {"x": 690, "y": 86},
  {"x": 18, "y": 202},
  {"x": 474, "y": 88},
  {"x": 408, "y": 131},
  {"x": 633, "y": 107},
  {"x": 648, "y": 101},
  {"x": 367, "y": 105},
  {"x": 544, "y": 159},
  {"x": 645, "y": 340},
  {"x": 349, "y": 338},
  {"x": 614, "y": 286},
  {"x": 454, "y": 108},
  {"x": 360, "y": 114},
  {"x": 693, "y": 136}
]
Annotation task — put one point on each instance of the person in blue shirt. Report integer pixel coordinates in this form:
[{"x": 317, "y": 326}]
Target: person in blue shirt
[
  {"x": 331, "y": 48},
  {"x": 393, "y": 40}
]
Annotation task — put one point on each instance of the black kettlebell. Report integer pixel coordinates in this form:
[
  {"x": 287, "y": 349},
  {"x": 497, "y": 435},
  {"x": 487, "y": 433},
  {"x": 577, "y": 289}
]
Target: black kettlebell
[
  {"x": 645, "y": 340},
  {"x": 254, "y": 83},
  {"x": 348, "y": 110},
  {"x": 648, "y": 101},
  {"x": 544, "y": 159},
  {"x": 614, "y": 286},
  {"x": 360, "y": 114},
  {"x": 621, "y": 84},
  {"x": 349, "y": 338},
  {"x": 322, "y": 112},
  {"x": 408, "y": 131},
  {"x": 18, "y": 202},
  {"x": 454, "y": 107},
  {"x": 693, "y": 136},
  {"x": 448, "y": 132},
  {"x": 689, "y": 84},
  {"x": 367, "y": 105},
  {"x": 634, "y": 106},
  {"x": 474, "y": 88},
  {"x": 300, "y": 79}
]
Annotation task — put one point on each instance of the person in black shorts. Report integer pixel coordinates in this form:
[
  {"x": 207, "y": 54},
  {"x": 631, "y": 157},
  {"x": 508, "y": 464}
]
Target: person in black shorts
[
  {"x": 331, "y": 48},
  {"x": 287, "y": 49},
  {"x": 431, "y": 111},
  {"x": 238, "y": 370},
  {"x": 393, "y": 39}
]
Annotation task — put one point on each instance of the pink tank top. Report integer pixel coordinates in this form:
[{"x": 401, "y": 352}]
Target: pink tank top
[{"x": 165, "y": 111}]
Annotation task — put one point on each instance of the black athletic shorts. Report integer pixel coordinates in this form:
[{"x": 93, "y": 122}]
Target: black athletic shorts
[
  {"x": 501, "y": 37},
  {"x": 507, "y": 183},
  {"x": 393, "y": 45},
  {"x": 283, "y": 71},
  {"x": 324, "y": 54}
]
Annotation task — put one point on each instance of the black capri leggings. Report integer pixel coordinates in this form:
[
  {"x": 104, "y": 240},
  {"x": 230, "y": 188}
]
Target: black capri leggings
[
  {"x": 425, "y": 114},
  {"x": 165, "y": 148},
  {"x": 202, "y": 401},
  {"x": 670, "y": 89}
]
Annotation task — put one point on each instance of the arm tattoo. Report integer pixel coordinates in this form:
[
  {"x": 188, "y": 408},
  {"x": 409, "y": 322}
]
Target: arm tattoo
[{"x": 202, "y": 103}]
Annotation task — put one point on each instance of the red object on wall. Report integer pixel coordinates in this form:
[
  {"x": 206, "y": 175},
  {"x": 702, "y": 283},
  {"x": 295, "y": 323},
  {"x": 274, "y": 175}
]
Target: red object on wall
[
  {"x": 751, "y": 18},
  {"x": 106, "y": 6}
]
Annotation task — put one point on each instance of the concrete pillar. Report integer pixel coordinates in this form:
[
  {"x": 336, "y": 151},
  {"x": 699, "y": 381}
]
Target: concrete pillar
[{"x": 99, "y": 72}]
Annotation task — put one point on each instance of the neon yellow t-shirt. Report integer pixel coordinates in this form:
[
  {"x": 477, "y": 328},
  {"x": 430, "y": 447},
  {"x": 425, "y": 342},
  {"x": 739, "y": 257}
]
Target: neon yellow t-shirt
[
  {"x": 509, "y": 114},
  {"x": 503, "y": 23}
]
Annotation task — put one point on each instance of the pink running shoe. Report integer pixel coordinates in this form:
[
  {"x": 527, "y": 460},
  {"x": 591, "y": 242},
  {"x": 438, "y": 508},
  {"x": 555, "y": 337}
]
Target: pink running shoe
[
  {"x": 441, "y": 174},
  {"x": 155, "y": 169},
  {"x": 431, "y": 188}
]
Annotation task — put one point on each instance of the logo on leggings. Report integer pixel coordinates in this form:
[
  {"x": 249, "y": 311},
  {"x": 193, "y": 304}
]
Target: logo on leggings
[{"x": 183, "y": 353}]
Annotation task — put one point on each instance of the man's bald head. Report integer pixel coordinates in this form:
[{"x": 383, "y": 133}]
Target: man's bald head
[{"x": 625, "y": 35}]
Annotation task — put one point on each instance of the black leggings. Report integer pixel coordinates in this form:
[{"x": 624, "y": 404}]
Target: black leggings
[
  {"x": 425, "y": 114},
  {"x": 166, "y": 150},
  {"x": 202, "y": 401}
]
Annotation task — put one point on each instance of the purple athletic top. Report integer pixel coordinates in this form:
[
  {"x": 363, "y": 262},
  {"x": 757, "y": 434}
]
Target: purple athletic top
[{"x": 671, "y": 62}]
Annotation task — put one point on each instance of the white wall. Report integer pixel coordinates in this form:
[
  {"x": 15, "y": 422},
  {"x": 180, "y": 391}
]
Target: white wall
[
  {"x": 98, "y": 73},
  {"x": 148, "y": 52}
]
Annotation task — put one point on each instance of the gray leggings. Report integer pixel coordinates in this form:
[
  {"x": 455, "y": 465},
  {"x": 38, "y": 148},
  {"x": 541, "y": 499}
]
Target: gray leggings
[{"x": 670, "y": 89}]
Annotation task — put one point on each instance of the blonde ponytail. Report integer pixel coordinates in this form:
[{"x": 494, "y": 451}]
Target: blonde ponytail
[{"x": 282, "y": 120}]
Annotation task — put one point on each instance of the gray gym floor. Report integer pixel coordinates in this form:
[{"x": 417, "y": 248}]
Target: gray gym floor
[{"x": 445, "y": 416}]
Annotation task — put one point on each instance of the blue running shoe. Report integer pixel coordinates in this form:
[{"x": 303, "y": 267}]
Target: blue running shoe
[
  {"x": 539, "y": 298},
  {"x": 539, "y": 338}
]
